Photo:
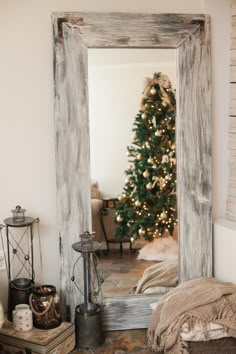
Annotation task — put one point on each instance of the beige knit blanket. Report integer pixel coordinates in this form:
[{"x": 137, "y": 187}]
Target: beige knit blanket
[
  {"x": 201, "y": 299},
  {"x": 164, "y": 274}
]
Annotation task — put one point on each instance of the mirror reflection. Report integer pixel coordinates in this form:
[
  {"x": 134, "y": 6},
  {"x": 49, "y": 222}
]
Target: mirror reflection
[{"x": 132, "y": 152}]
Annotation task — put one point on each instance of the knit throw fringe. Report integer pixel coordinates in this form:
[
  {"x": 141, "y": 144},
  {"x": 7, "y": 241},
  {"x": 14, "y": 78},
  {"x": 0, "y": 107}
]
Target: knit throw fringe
[{"x": 202, "y": 299}]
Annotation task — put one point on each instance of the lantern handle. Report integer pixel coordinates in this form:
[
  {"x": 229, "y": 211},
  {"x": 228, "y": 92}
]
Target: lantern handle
[{"x": 44, "y": 311}]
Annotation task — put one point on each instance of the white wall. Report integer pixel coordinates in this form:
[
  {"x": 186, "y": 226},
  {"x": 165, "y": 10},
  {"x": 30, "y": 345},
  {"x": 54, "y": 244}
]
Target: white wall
[
  {"x": 116, "y": 83},
  {"x": 26, "y": 112}
]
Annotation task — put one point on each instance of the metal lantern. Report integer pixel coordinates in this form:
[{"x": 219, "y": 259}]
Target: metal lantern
[
  {"x": 18, "y": 214},
  {"x": 88, "y": 316},
  {"x": 20, "y": 257}
]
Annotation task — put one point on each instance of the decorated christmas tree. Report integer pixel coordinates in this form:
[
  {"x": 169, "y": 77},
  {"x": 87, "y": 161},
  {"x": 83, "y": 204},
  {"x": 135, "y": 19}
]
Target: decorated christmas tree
[{"x": 147, "y": 206}]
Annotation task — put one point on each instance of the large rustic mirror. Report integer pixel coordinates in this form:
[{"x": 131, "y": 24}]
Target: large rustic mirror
[
  {"x": 74, "y": 34},
  {"x": 119, "y": 80}
]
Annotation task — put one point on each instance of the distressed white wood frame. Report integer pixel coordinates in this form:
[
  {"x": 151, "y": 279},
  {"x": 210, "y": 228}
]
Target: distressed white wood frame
[{"x": 74, "y": 34}]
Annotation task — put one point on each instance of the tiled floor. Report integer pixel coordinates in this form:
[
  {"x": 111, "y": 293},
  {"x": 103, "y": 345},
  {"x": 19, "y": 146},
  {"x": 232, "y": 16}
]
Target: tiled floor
[
  {"x": 134, "y": 341},
  {"x": 120, "y": 272},
  {"x": 121, "y": 342}
]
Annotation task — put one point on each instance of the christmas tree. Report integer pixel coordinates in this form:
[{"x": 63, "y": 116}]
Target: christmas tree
[{"x": 147, "y": 206}]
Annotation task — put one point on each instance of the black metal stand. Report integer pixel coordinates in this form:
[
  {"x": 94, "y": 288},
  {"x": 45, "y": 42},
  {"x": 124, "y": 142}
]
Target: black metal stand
[
  {"x": 88, "y": 315},
  {"x": 105, "y": 212}
]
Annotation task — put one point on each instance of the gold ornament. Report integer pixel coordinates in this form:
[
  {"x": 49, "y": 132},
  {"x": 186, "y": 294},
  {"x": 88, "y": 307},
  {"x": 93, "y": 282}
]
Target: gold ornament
[
  {"x": 149, "y": 186},
  {"x": 144, "y": 116},
  {"x": 132, "y": 239},
  {"x": 163, "y": 216},
  {"x": 119, "y": 218},
  {"x": 121, "y": 197},
  {"x": 139, "y": 157},
  {"x": 146, "y": 174},
  {"x": 153, "y": 91},
  {"x": 141, "y": 232},
  {"x": 137, "y": 203},
  {"x": 134, "y": 135}
]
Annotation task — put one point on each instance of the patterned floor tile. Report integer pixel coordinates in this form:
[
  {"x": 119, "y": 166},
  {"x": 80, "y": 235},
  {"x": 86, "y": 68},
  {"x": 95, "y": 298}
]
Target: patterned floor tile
[{"x": 121, "y": 342}]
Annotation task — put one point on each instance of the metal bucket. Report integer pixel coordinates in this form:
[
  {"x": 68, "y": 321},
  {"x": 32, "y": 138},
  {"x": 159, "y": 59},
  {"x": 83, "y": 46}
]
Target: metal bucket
[
  {"x": 88, "y": 328},
  {"x": 18, "y": 293}
]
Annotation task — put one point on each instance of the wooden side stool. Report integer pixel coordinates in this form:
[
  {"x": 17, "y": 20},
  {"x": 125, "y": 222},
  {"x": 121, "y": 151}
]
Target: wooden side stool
[{"x": 60, "y": 340}]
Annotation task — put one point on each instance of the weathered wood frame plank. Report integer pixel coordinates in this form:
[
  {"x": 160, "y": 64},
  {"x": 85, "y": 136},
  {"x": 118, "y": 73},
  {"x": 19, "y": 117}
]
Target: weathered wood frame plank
[{"x": 74, "y": 33}]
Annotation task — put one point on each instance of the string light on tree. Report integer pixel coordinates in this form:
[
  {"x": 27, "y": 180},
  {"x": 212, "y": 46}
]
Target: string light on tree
[{"x": 147, "y": 205}]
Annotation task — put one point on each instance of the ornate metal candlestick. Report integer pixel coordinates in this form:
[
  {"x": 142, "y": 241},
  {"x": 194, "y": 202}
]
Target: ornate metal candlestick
[{"x": 88, "y": 320}]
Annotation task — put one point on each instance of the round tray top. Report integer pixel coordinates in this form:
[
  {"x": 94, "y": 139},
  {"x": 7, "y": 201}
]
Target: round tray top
[
  {"x": 86, "y": 248},
  {"x": 27, "y": 222}
]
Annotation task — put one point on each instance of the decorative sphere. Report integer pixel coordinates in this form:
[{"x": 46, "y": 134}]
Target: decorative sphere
[
  {"x": 149, "y": 185},
  {"x": 137, "y": 203},
  {"x": 141, "y": 232},
  {"x": 26, "y": 257},
  {"x": 131, "y": 239},
  {"x": 173, "y": 146},
  {"x": 146, "y": 174},
  {"x": 153, "y": 91},
  {"x": 121, "y": 197},
  {"x": 119, "y": 218},
  {"x": 139, "y": 157},
  {"x": 144, "y": 116},
  {"x": 158, "y": 133},
  {"x": 163, "y": 216}
]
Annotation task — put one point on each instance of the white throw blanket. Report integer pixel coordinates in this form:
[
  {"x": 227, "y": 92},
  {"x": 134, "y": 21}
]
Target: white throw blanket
[{"x": 163, "y": 274}]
